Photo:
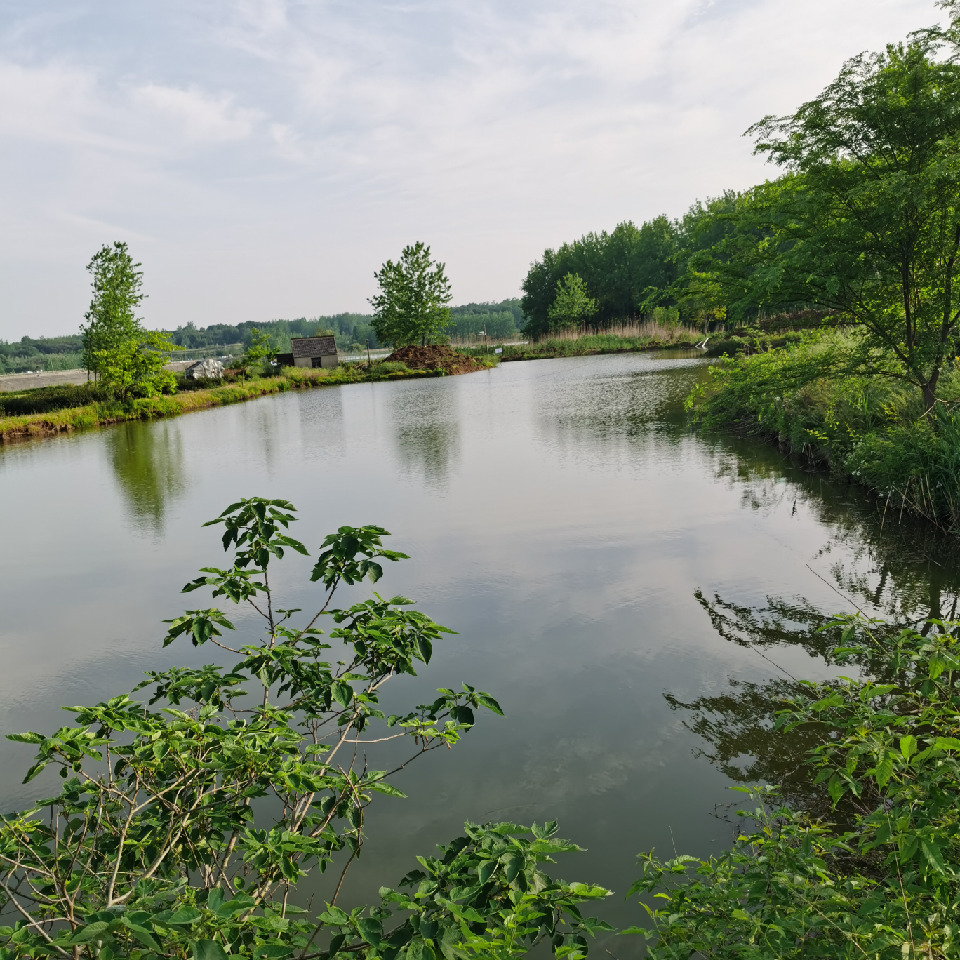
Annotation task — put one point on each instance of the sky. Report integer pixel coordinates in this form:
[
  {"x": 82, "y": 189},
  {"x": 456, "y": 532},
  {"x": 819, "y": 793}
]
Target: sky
[{"x": 263, "y": 158}]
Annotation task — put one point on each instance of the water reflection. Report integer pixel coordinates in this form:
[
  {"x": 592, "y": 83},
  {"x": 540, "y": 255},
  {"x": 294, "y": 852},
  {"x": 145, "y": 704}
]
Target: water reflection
[
  {"x": 879, "y": 563},
  {"x": 604, "y": 404},
  {"x": 148, "y": 465},
  {"x": 881, "y": 566},
  {"x": 426, "y": 432}
]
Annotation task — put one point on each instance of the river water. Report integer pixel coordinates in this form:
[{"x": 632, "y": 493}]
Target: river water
[{"x": 632, "y": 593}]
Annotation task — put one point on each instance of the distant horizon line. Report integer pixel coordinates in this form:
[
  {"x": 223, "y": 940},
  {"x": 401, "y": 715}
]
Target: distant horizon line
[{"x": 317, "y": 318}]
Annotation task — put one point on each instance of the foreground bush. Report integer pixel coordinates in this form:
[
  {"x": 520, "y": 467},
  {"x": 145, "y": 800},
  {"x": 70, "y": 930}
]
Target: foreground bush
[
  {"x": 887, "y": 885},
  {"x": 183, "y": 823}
]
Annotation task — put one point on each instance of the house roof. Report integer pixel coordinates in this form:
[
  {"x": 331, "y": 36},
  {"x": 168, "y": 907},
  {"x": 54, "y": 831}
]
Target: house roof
[{"x": 314, "y": 347}]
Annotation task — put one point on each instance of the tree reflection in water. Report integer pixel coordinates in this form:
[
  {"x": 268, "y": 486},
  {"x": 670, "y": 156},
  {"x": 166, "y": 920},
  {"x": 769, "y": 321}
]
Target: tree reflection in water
[
  {"x": 426, "y": 425},
  {"x": 148, "y": 464},
  {"x": 903, "y": 572}
]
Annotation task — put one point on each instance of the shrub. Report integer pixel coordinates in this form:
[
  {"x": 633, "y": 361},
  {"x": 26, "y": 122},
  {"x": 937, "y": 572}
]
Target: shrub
[
  {"x": 152, "y": 848},
  {"x": 798, "y": 887}
]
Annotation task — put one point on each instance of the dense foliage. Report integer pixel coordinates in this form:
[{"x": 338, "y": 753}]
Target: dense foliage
[
  {"x": 127, "y": 360},
  {"x": 818, "y": 398},
  {"x": 626, "y": 271},
  {"x": 40, "y": 353},
  {"x": 47, "y": 399},
  {"x": 410, "y": 306},
  {"x": 877, "y": 879},
  {"x": 867, "y": 224}
]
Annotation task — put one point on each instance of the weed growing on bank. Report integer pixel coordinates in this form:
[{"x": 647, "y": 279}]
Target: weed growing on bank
[{"x": 880, "y": 880}]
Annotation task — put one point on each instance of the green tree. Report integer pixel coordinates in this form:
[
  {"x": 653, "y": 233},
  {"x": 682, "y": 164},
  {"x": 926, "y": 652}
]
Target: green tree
[
  {"x": 182, "y": 824},
  {"x": 867, "y": 224},
  {"x": 572, "y": 304},
  {"x": 125, "y": 358},
  {"x": 412, "y": 303},
  {"x": 259, "y": 350}
]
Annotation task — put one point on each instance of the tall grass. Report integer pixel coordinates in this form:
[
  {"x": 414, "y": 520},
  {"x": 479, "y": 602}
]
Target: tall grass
[
  {"x": 620, "y": 338},
  {"x": 628, "y": 330}
]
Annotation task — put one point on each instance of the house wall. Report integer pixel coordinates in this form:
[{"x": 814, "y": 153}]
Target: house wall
[{"x": 326, "y": 363}]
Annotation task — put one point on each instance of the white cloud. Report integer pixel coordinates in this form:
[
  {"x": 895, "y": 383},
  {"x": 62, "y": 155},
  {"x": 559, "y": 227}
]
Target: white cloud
[
  {"x": 200, "y": 117},
  {"x": 271, "y": 154}
]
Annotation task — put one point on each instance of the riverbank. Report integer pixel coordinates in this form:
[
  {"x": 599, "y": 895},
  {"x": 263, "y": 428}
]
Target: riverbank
[
  {"x": 105, "y": 413},
  {"x": 593, "y": 344},
  {"x": 817, "y": 400}
]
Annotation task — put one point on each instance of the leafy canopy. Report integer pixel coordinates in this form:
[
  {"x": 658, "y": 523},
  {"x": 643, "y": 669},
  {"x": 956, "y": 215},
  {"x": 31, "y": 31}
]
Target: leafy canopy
[
  {"x": 411, "y": 305},
  {"x": 867, "y": 222},
  {"x": 127, "y": 359},
  {"x": 573, "y": 305}
]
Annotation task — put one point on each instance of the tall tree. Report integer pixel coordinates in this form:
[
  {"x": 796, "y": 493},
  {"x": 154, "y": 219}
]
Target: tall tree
[
  {"x": 126, "y": 359},
  {"x": 868, "y": 224},
  {"x": 412, "y": 303},
  {"x": 111, "y": 319},
  {"x": 572, "y": 305}
]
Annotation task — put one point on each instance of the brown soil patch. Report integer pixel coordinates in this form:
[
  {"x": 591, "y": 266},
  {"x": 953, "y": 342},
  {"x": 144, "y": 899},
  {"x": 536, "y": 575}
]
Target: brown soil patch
[{"x": 437, "y": 358}]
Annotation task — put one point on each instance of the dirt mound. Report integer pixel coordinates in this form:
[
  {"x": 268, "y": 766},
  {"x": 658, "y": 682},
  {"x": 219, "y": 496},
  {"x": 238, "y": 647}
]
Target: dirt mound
[{"x": 436, "y": 358}]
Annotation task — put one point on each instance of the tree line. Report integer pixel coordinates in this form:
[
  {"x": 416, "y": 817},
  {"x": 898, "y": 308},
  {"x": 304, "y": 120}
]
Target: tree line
[
  {"x": 500, "y": 320},
  {"x": 352, "y": 331}
]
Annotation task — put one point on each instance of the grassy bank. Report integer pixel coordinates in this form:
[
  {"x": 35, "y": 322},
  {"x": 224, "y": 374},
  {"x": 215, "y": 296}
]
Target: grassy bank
[
  {"x": 53, "y": 420},
  {"x": 824, "y": 399},
  {"x": 624, "y": 338}
]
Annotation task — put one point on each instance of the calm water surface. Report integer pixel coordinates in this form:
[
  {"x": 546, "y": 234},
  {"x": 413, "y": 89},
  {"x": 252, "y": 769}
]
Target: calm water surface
[{"x": 603, "y": 568}]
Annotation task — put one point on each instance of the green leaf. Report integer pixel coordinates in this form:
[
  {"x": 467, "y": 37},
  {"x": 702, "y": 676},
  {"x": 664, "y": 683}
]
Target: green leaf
[
  {"x": 512, "y": 865},
  {"x": 908, "y": 746},
  {"x": 26, "y": 737},
  {"x": 418, "y": 950},
  {"x": 934, "y": 857},
  {"x": 342, "y": 693},
  {"x": 93, "y": 931},
  {"x": 425, "y": 648},
  {"x": 836, "y": 787},
  {"x": 489, "y": 702},
  {"x": 208, "y": 950},
  {"x": 184, "y": 916},
  {"x": 335, "y": 915},
  {"x": 371, "y": 930},
  {"x": 142, "y": 934},
  {"x": 884, "y": 771}
]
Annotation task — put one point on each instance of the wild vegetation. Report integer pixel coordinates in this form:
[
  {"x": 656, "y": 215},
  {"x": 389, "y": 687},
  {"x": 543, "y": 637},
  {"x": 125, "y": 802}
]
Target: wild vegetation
[
  {"x": 875, "y": 877},
  {"x": 152, "y": 846},
  {"x": 126, "y": 359},
  {"x": 816, "y": 399},
  {"x": 865, "y": 225},
  {"x": 502, "y": 320},
  {"x": 622, "y": 338}
]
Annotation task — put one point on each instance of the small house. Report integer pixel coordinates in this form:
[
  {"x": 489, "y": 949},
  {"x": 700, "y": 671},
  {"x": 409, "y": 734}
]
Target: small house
[{"x": 314, "y": 352}]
